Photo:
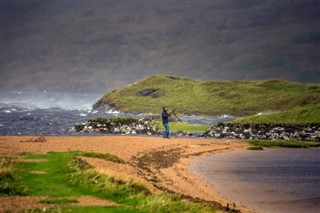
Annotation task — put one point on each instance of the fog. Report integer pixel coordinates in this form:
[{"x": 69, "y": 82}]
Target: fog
[
  {"x": 98, "y": 46},
  {"x": 12, "y": 100}
]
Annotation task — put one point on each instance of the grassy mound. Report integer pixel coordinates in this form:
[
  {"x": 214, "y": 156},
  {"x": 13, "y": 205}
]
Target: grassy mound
[{"x": 210, "y": 98}]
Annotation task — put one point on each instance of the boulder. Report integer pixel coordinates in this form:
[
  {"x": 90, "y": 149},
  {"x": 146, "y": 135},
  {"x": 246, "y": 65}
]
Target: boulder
[{"x": 105, "y": 106}]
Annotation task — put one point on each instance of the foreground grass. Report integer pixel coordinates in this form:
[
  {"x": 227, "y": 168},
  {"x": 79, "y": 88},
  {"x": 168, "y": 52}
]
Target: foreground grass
[
  {"x": 60, "y": 176},
  {"x": 211, "y": 98},
  {"x": 259, "y": 144}
]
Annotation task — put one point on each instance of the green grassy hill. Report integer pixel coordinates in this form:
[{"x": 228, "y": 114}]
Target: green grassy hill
[{"x": 210, "y": 98}]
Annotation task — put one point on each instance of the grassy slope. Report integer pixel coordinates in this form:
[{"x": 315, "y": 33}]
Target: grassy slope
[
  {"x": 237, "y": 98},
  {"x": 66, "y": 176},
  {"x": 308, "y": 114}
]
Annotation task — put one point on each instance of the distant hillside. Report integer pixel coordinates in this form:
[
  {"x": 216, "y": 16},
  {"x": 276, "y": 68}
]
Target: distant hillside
[
  {"x": 97, "y": 46},
  {"x": 187, "y": 96}
]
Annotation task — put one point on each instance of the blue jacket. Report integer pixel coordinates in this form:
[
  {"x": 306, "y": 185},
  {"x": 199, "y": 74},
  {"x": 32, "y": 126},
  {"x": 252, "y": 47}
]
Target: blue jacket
[{"x": 165, "y": 117}]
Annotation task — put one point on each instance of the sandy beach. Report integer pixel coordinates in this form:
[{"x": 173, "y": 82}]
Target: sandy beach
[{"x": 146, "y": 159}]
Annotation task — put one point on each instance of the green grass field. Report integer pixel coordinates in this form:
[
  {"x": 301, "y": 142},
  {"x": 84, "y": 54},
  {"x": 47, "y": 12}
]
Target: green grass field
[
  {"x": 297, "y": 115},
  {"x": 184, "y": 126},
  {"x": 211, "y": 98},
  {"x": 62, "y": 177}
]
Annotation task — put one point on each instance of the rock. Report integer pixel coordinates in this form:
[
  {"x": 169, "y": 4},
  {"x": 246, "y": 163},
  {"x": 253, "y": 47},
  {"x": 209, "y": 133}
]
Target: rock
[
  {"x": 146, "y": 92},
  {"x": 265, "y": 131},
  {"x": 116, "y": 130},
  {"x": 134, "y": 126},
  {"x": 156, "y": 95},
  {"x": 217, "y": 135},
  {"x": 123, "y": 131},
  {"x": 105, "y": 106},
  {"x": 152, "y": 118}
]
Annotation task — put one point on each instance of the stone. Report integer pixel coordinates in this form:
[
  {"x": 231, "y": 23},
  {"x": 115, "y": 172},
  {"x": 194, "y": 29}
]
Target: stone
[
  {"x": 146, "y": 92},
  {"x": 124, "y": 126},
  {"x": 156, "y": 95}
]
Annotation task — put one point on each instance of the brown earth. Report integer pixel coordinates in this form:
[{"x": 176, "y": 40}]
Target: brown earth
[
  {"x": 21, "y": 203},
  {"x": 160, "y": 164}
]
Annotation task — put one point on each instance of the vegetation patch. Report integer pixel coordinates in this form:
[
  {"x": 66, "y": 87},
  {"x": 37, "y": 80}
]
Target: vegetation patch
[
  {"x": 104, "y": 156},
  {"x": 113, "y": 121},
  {"x": 59, "y": 201},
  {"x": 255, "y": 148},
  {"x": 184, "y": 126},
  {"x": 278, "y": 143},
  {"x": 8, "y": 185},
  {"x": 66, "y": 175}
]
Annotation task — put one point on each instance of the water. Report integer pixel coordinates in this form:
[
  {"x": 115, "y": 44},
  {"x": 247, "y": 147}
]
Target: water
[
  {"x": 284, "y": 180},
  {"x": 52, "y": 113}
]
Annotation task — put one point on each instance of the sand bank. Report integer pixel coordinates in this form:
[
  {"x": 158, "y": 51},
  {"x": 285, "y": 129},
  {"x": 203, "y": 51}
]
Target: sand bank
[{"x": 162, "y": 164}]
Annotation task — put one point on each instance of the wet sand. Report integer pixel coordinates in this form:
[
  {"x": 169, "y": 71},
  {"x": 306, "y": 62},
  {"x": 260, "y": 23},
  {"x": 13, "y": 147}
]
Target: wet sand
[
  {"x": 146, "y": 159},
  {"x": 277, "y": 181}
]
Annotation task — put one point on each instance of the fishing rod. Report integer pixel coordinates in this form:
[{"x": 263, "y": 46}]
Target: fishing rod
[{"x": 172, "y": 111}]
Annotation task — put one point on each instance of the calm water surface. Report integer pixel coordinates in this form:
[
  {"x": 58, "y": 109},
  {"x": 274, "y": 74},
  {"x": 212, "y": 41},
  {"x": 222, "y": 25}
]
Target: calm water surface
[{"x": 284, "y": 180}]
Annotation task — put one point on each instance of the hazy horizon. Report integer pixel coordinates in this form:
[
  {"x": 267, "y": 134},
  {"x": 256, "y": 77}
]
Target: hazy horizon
[{"x": 98, "y": 46}]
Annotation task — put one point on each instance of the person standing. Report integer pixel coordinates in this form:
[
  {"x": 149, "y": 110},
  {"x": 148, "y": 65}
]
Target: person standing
[{"x": 165, "y": 120}]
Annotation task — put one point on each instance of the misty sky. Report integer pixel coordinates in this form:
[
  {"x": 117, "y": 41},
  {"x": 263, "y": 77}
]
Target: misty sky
[{"x": 97, "y": 46}]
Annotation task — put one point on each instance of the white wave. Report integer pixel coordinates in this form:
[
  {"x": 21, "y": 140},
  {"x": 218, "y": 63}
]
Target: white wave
[
  {"x": 225, "y": 116},
  {"x": 46, "y": 100},
  {"x": 110, "y": 111}
]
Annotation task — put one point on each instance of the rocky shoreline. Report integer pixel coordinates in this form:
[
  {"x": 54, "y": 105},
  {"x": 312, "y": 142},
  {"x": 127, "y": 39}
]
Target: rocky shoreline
[
  {"x": 303, "y": 132},
  {"x": 123, "y": 126},
  {"x": 134, "y": 126}
]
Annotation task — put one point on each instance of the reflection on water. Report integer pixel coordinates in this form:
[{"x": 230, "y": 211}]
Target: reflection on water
[{"x": 284, "y": 180}]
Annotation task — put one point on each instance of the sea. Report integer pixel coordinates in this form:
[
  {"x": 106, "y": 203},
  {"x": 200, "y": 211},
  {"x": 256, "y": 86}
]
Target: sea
[
  {"x": 272, "y": 181},
  {"x": 284, "y": 180},
  {"x": 55, "y": 113}
]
